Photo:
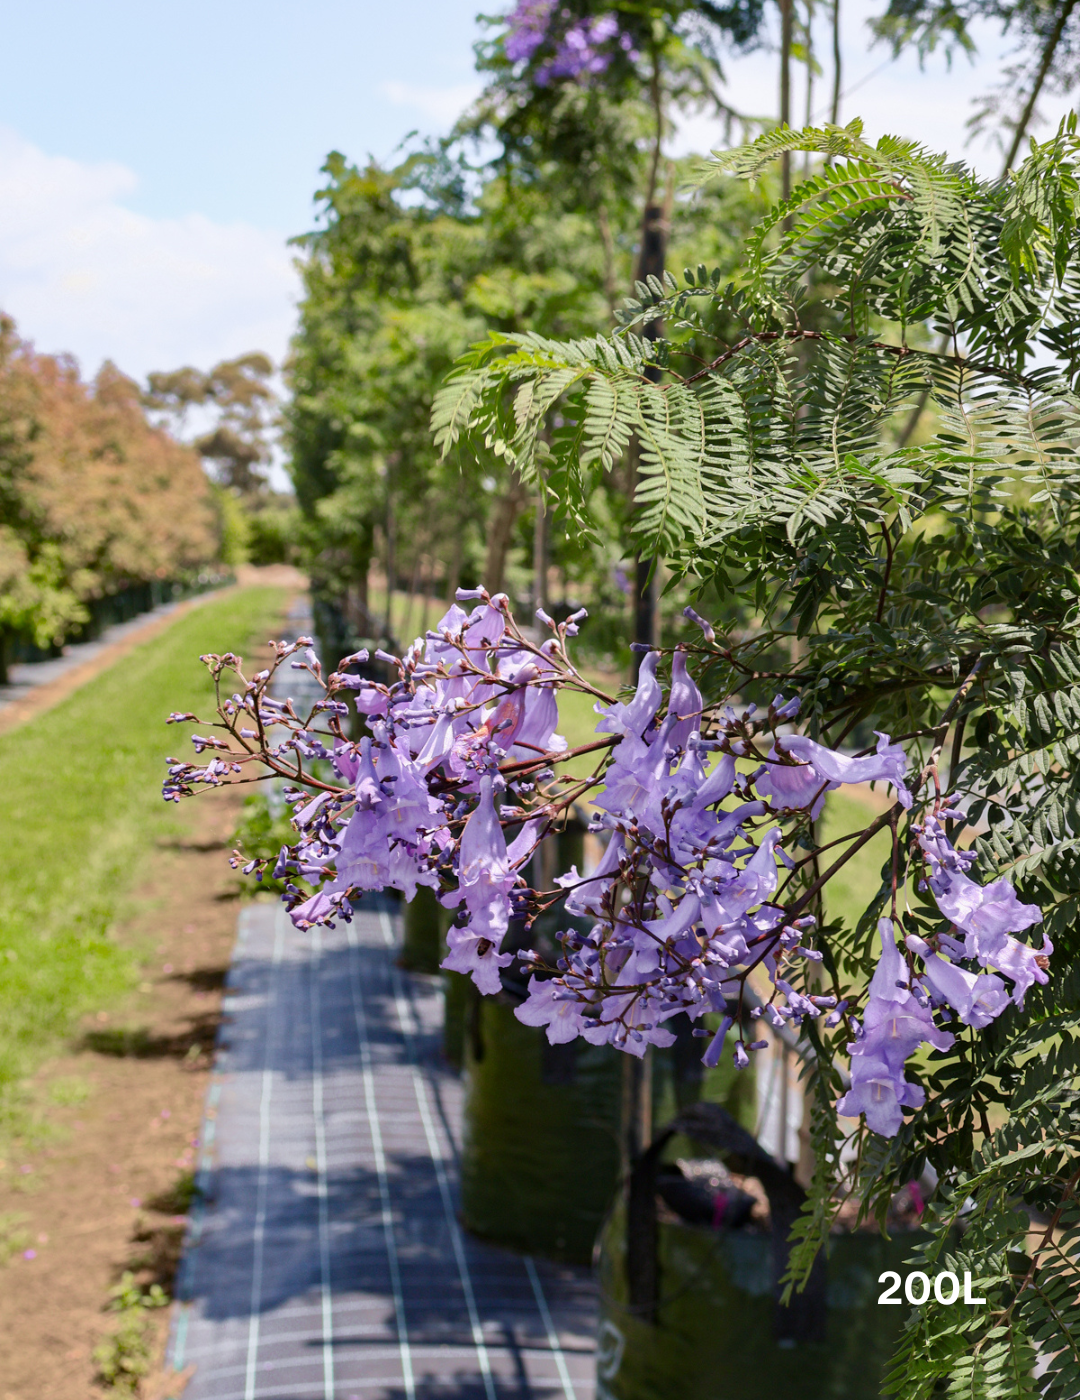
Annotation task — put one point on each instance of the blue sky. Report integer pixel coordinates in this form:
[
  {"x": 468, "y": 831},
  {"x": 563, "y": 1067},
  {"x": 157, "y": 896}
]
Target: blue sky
[
  {"x": 155, "y": 157},
  {"x": 229, "y": 107}
]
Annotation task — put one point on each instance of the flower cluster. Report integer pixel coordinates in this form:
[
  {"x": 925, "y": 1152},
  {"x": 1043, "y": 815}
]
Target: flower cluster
[
  {"x": 704, "y": 816},
  {"x": 586, "y": 48},
  {"x": 904, "y": 994}
]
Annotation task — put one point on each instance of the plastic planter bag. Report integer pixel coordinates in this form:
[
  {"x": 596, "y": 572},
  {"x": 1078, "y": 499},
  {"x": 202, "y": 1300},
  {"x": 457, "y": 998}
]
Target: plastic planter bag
[
  {"x": 425, "y": 922},
  {"x": 540, "y": 1157},
  {"x": 691, "y": 1310}
]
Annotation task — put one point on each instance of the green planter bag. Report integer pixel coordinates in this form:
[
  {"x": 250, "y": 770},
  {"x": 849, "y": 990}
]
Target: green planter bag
[
  {"x": 692, "y": 1311},
  {"x": 540, "y": 1157},
  {"x": 424, "y": 922}
]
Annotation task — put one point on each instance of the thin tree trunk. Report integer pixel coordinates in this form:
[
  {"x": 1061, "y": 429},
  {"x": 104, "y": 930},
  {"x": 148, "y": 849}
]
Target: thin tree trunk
[
  {"x": 651, "y": 256},
  {"x": 607, "y": 242},
  {"x": 501, "y": 524},
  {"x": 1037, "y": 85},
  {"x": 426, "y": 586},
  {"x": 414, "y": 584},
  {"x": 787, "y": 16},
  {"x": 809, "y": 77},
  {"x": 540, "y": 556},
  {"x": 453, "y": 581},
  {"x": 835, "y": 117},
  {"x": 1018, "y": 136},
  {"x": 391, "y": 562}
]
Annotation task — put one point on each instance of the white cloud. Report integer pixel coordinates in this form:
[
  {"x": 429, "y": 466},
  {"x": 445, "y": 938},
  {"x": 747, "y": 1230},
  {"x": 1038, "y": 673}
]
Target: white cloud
[
  {"x": 442, "y": 105},
  {"x": 81, "y": 272}
]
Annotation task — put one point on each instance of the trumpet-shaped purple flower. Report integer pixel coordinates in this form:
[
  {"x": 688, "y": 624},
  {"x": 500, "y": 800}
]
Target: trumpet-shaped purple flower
[
  {"x": 557, "y": 1007},
  {"x": 977, "y": 999},
  {"x": 986, "y": 915},
  {"x": 894, "y": 1026},
  {"x": 636, "y": 715},
  {"x": 485, "y": 878},
  {"x": 684, "y": 704},
  {"x": 824, "y": 770}
]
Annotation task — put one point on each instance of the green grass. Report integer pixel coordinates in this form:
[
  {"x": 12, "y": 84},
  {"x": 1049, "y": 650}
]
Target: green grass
[{"x": 80, "y": 809}]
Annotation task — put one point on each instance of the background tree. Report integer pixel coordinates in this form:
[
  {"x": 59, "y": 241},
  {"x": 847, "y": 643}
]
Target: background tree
[
  {"x": 1045, "y": 59},
  {"x": 243, "y": 403},
  {"x": 408, "y": 269},
  {"x": 239, "y": 398}
]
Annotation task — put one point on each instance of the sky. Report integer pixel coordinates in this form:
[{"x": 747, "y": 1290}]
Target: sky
[{"x": 155, "y": 158}]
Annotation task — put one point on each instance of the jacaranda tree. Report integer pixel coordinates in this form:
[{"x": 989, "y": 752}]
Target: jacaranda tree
[
  {"x": 909, "y": 618},
  {"x": 930, "y": 591}
]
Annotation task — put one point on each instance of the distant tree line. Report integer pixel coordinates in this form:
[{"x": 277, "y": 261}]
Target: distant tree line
[{"x": 94, "y": 499}]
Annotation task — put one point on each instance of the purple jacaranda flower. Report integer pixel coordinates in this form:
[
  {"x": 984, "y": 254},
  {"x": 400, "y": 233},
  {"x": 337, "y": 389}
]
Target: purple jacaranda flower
[
  {"x": 671, "y": 931},
  {"x": 635, "y": 716},
  {"x": 631, "y": 1020},
  {"x": 785, "y": 709},
  {"x": 556, "y": 1007},
  {"x": 711, "y": 1057},
  {"x": 387, "y": 832},
  {"x": 370, "y": 700},
  {"x": 977, "y": 999},
  {"x": 986, "y": 915},
  {"x": 485, "y": 879},
  {"x": 368, "y": 790},
  {"x": 522, "y": 723},
  {"x": 585, "y": 894},
  {"x": 754, "y": 883},
  {"x": 684, "y": 704},
  {"x": 706, "y": 627},
  {"x": 316, "y": 910},
  {"x": 527, "y": 26},
  {"x": 581, "y": 50},
  {"x": 633, "y": 776},
  {"x": 879, "y": 1094},
  {"x": 346, "y": 760},
  {"x": 486, "y": 626},
  {"x": 791, "y": 787},
  {"x": 825, "y": 770},
  {"x": 894, "y": 1026},
  {"x": 1024, "y": 965}
]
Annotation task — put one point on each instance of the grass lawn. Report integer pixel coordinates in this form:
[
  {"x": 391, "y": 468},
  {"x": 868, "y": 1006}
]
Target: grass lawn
[{"x": 80, "y": 807}]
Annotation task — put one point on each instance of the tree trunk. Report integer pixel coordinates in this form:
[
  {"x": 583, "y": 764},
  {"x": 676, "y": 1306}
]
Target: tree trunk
[
  {"x": 504, "y": 514},
  {"x": 540, "y": 556},
  {"x": 787, "y": 17},
  {"x": 1024, "y": 119}
]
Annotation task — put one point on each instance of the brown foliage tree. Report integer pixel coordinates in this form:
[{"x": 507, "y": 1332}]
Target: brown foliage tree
[{"x": 93, "y": 497}]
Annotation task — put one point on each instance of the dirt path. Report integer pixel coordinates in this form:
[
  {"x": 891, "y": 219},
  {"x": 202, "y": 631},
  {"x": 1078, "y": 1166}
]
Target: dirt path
[{"x": 106, "y": 1189}]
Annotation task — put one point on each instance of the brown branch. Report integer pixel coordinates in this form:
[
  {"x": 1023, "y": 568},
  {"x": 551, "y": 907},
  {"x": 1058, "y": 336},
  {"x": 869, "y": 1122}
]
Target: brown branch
[{"x": 901, "y": 351}]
